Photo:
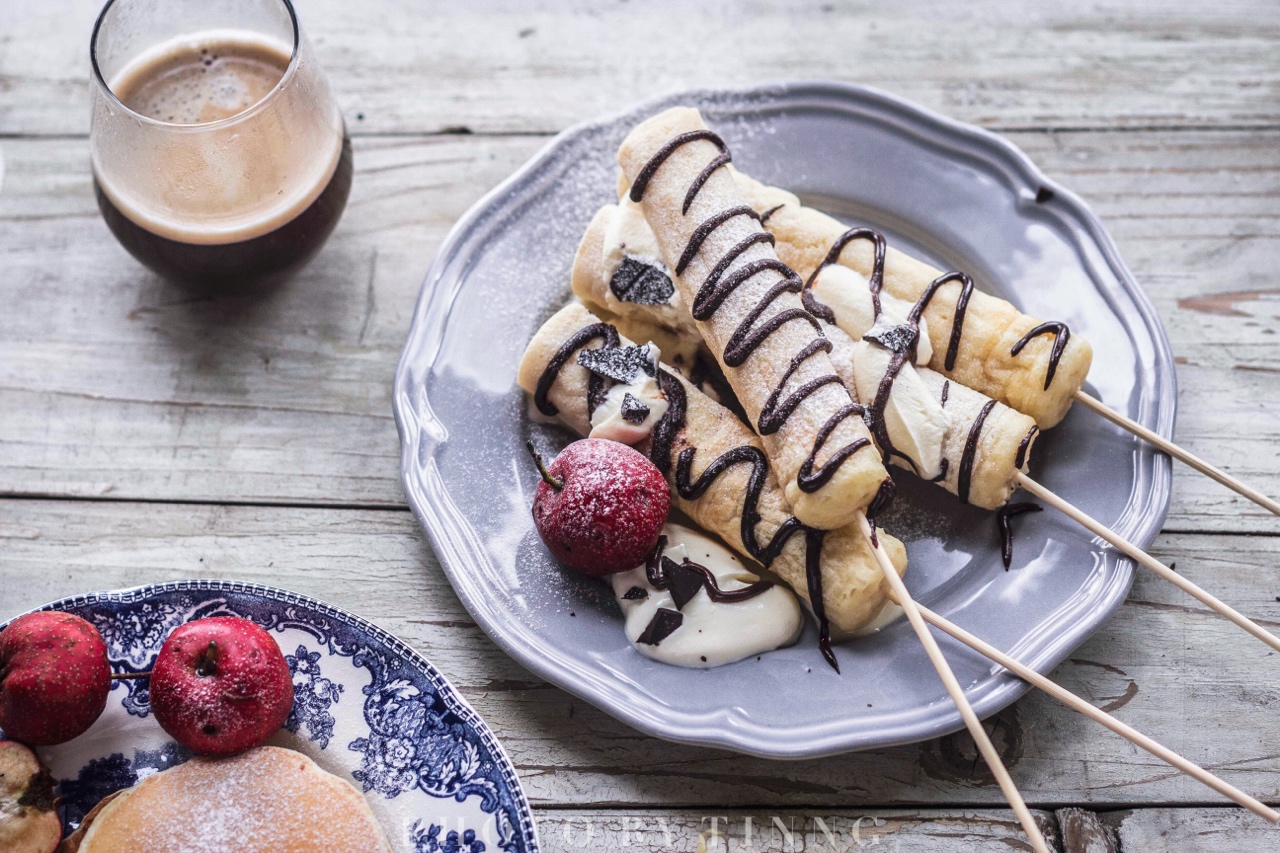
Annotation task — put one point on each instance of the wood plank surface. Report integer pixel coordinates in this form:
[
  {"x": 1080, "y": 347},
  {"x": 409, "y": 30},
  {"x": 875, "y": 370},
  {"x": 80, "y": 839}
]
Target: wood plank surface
[
  {"x": 407, "y": 66},
  {"x": 119, "y": 385},
  {"x": 729, "y": 831},
  {"x": 1189, "y": 831},
  {"x": 1163, "y": 665},
  {"x": 149, "y": 433}
]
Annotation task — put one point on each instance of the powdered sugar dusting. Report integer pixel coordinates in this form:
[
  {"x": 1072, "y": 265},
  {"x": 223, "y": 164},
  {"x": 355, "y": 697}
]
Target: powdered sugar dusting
[{"x": 267, "y": 799}]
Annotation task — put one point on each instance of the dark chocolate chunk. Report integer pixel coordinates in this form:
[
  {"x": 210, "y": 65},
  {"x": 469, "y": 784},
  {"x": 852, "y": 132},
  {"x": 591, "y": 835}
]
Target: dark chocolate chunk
[
  {"x": 641, "y": 283},
  {"x": 896, "y": 339},
  {"x": 621, "y": 364},
  {"x": 633, "y": 411},
  {"x": 636, "y": 593},
  {"x": 661, "y": 626},
  {"x": 684, "y": 580}
]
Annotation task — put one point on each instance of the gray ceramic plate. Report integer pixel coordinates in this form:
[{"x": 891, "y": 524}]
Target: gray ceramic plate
[{"x": 949, "y": 193}]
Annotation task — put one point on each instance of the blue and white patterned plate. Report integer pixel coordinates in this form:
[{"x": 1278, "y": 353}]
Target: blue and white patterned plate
[{"x": 366, "y": 707}]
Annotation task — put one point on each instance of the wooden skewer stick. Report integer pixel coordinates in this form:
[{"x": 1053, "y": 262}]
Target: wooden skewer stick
[
  {"x": 1178, "y": 453},
  {"x": 1191, "y": 589},
  {"x": 1074, "y": 702},
  {"x": 948, "y": 677}
]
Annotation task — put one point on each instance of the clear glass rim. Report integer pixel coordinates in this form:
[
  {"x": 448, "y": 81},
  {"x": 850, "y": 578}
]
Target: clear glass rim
[{"x": 106, "y": 90}]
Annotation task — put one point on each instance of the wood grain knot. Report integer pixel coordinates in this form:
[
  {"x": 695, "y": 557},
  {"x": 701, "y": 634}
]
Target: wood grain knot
[{"x": 955, "y": 757}]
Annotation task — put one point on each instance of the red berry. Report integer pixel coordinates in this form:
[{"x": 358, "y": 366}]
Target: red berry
[
  {"x": 54, "y": 677},
  {"x": 221, "y": 685},
  {"x": 600, "y": 506}
]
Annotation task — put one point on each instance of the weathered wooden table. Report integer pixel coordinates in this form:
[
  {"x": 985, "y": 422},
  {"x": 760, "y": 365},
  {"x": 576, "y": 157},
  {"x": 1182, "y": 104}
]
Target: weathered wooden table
[{"x": 147, "y": 435}]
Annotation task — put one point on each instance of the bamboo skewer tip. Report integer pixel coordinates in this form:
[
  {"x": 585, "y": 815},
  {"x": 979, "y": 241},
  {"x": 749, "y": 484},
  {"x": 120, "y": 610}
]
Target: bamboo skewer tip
[
  {"x": 1137, "y": 554},
  {"x": 971, "y": 721},
  {"x": 1079, "y": 705},
  {"x": 1160, "y": 442}
]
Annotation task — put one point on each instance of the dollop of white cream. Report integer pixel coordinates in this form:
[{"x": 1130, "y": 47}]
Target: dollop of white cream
[
  {"x": 916, "y": 423},
  {"x": 710, "y": 634},
  {"x": 848, "y": 294}
]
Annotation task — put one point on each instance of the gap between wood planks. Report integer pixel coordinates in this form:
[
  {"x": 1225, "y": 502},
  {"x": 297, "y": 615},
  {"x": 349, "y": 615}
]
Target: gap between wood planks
[
  {"x": 462, "y": 130},
  {"x": 383, "y": 507}
]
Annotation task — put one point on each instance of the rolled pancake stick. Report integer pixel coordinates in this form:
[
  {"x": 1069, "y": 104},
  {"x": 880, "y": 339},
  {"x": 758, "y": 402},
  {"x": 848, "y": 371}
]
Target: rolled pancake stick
[
  {"x": 747, "y": 308},
  {"x": 987, "y": 357},
  {"x": 983, "y": 453},
  {"x": 853, "y": 587}
]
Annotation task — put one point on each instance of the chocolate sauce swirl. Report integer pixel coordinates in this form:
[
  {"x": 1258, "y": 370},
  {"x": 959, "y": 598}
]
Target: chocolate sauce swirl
[
  {"x": 752, "y": 332},
  {"x": 662, "y": 573},
  {"x": 1061, "y": 334}
]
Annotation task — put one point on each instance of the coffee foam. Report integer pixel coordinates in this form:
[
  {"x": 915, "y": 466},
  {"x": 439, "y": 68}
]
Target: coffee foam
[{"x": 241, "y": 142}]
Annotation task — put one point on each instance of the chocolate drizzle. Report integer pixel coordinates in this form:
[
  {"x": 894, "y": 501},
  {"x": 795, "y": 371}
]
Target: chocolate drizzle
[
  {"x": 1023, "y": 446},
  {"x": 685, "y": 578},
  {"x": 965, "y": 474},
  {"x": 646, "y": 174},
  {"x": 1061, "y": 334},
  {"x": 596, "y": 388},
  {"x": 1005, "y": 513},
  {"x": 962, "y": 305},
  {"x": 875, "y": 283},
  {"x": 752, "y": 332},
  {"x": 884, "y": 497},
  {"x": 813, "y": 576},
  {"x": 765, "y": 216}
]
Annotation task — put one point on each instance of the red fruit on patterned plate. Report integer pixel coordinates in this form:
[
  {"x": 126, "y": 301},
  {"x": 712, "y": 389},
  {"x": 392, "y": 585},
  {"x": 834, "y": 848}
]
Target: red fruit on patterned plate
[
  {"x": 221, "y": 685},
  {"x": 54, "y": 677},
  {"x": 600, "y": 506},
  {"x": 29, "y": 820}
]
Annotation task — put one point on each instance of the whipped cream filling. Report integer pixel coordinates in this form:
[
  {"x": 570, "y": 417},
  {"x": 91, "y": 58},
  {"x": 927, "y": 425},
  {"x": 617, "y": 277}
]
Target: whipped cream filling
[
  {"x": 634, "y": 403},
  {"x": 632, "y": 420},
  {"x": 848, "y": 294},
  {"x": 709, "y": 633},
  {"x": 913, "y": 418},
  {"x": 634, "y": 267}
]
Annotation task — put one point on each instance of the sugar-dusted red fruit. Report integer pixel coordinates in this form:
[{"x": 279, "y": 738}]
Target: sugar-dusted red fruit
[
  {"x": 29, "y": 820},
  {"x": 600, "y": 506},
  {"x": 54, "y": 677},
  {"x": 221, "y": 685}
]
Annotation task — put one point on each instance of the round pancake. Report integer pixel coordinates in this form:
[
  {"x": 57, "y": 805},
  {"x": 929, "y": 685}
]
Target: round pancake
[{"x": 266, "y": 799}]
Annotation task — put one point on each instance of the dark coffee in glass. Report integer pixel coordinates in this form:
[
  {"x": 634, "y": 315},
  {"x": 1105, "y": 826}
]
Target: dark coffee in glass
[{"x": 219, "y": 154}]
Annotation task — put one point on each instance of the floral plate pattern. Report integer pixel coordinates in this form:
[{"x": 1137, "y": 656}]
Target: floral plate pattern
[{"x": 366, "y": 707}]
